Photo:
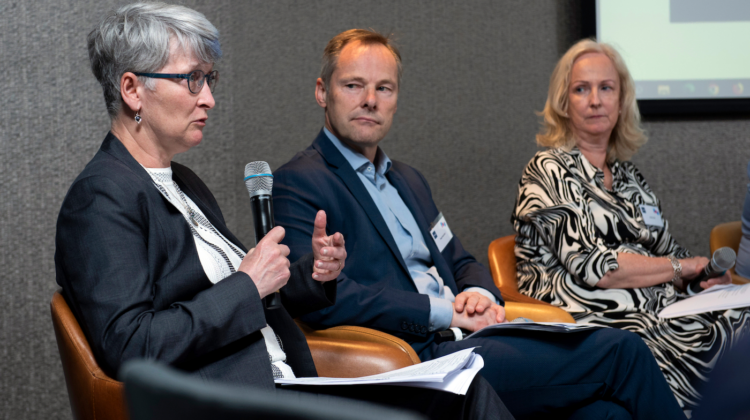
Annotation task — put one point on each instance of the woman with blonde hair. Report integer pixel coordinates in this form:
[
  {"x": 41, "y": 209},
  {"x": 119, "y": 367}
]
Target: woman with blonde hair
[{"x": 591, "y": 238}]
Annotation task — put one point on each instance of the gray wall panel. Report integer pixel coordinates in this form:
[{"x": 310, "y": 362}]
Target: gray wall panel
[{"x": 474, "y": 73}]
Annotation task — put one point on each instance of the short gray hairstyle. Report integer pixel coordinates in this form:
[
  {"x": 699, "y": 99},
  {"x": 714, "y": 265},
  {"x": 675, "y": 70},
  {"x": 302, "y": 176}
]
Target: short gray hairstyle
[{"x": 136, "y": 38}]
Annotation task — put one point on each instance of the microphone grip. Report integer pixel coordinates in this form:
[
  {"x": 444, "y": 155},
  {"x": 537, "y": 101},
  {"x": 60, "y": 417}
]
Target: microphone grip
[
  {"x": 262, "y": 206},
  {"x": 708, "y": 272},
  {"x": 272, "y": 301},
  {"x": 695, "y": 284}
]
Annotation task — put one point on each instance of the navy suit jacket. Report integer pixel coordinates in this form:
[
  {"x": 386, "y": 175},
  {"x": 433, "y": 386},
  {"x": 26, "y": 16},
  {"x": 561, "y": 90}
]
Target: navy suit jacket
[
  {"x": 129, "y": 269},
  {"x": 375, "y": 288}
]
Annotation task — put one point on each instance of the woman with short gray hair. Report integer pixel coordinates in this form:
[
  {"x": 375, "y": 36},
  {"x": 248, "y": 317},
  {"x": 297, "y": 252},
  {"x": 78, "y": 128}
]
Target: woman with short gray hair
[
  {"x": 138, "y": 38},
  {"x": 143, "y": 256}
]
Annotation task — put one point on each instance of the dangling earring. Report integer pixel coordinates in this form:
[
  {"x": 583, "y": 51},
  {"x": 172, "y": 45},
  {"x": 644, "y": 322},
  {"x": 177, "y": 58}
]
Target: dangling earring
[{"x": 137, "y": 118}]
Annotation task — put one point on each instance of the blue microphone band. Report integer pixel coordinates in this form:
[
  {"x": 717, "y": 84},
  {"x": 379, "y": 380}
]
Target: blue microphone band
[{"x": 253, "y": 176}]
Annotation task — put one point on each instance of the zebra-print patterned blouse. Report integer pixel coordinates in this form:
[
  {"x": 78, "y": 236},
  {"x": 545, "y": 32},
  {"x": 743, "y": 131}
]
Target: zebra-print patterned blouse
[{"x": 570, "y": 229}]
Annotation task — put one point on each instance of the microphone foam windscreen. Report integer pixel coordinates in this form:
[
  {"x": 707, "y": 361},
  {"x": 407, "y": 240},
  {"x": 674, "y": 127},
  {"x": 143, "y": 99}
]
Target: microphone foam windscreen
[
  {"x": 258, "y": 178},
  {"x": 724, "y": 257}
]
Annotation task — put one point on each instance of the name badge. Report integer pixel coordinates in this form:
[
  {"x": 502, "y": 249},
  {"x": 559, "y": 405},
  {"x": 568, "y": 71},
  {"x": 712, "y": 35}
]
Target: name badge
[
  {"x": 651, "y": 215},
  {"x": 440, "y": 232}
]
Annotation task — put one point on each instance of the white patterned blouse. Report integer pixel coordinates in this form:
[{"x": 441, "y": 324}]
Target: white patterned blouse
[{"x": 569, "y": 231}]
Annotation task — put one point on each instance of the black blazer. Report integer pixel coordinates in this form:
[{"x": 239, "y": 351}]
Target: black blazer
[
  {"x": 129, "y": 269},
  {"x": 375, "y": 288}
]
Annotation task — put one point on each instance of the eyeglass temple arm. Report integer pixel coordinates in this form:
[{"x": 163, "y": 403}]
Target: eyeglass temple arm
[{"x": 164, "y": 75}]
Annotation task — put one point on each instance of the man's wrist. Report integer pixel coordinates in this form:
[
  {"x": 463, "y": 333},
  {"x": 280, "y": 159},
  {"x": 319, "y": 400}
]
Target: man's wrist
[{"x": 441, "y": 314}]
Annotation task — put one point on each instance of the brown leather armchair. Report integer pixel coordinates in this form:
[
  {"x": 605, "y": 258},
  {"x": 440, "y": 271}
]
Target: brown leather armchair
[
  {"x": 93, "y": 395},
  {"x": 344, "y": 352},
  {"x": 728, "y": 234},
  {"x": 502, "y": 258}
]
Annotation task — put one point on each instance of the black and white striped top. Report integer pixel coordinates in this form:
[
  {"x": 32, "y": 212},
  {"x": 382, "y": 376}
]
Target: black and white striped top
[{"x": 570, "y": 229}]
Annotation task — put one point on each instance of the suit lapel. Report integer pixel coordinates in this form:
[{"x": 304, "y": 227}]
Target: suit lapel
[
  {"x": 114, "y": 147},
  {"x": 405, "y": 191},
  {"x": 341, "y": 167},
  {"x": 208, "y": 212}
]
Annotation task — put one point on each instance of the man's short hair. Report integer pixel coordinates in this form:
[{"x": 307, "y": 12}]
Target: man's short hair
[{"x": 364, "y": 36}]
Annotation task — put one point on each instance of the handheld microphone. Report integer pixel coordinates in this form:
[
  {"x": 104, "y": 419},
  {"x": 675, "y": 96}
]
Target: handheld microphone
[
  {"x": 259, "y": 182},
  {"x": 722, "y": 260}
]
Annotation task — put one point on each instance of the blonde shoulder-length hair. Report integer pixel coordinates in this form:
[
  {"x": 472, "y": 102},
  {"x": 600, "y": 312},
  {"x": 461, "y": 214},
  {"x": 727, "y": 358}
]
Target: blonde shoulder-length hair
[{"x": 627, "y": 136}]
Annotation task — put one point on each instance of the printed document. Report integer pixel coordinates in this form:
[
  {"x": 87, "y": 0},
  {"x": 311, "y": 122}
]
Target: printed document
[
  {"x": 451, "y": 373},
  {"x": 556, "y": 327},
  {"x": 717, "y": 298}
]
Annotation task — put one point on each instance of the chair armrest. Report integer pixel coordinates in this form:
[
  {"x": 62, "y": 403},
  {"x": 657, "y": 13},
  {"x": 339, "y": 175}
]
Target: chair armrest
[
  {"x": 515, "y": 296},
  {"x": 538, "y": 313},
  {"x": 350, "y": 352},
  {"x": 738, "y": 279}
]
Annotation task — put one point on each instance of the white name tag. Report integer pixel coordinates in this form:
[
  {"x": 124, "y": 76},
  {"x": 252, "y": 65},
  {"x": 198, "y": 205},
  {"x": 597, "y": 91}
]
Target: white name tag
[
  {"x": 651, "y": 215},
  {"x": 440, "y": 232}
]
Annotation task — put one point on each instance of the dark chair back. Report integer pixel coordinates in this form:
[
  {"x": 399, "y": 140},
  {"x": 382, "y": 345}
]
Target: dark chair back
[{"x": 157, "y": 392}]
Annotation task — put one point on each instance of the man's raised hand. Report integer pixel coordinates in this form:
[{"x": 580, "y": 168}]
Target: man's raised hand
[{"x": 328, "y": 251}]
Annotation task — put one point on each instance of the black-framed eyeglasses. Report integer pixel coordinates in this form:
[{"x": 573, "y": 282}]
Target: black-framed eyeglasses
[{"x": 195, "y": 78}]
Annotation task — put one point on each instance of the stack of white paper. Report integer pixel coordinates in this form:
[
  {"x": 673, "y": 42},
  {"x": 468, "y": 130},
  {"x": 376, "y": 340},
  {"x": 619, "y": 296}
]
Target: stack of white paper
[
  {"x": 451, "y": 373},
  {"x": 716, "y": 298},
  {"x": 556, "y": 327}
]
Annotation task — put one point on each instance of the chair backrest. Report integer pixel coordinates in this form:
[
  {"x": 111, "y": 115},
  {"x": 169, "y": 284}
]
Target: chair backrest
[
  {"x": 728, "y": 234},
  {"x": 93, "y": 395},
  {"x": 501, "y": 253},
  {"x": 502, "y": 256},
  {"x": 157, "y": 392}
]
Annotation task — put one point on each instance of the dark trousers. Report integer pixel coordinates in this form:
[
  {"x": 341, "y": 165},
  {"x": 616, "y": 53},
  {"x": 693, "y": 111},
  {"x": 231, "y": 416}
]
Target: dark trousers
[
  {"x": 480, "y": 402},
  {"x": 603, "y": 373}
]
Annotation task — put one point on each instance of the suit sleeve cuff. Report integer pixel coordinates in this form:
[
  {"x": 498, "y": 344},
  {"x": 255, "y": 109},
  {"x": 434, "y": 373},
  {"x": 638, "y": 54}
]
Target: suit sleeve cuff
[
  {"x": 483, "y": 291},
  {"x": 441, "y": 314}
]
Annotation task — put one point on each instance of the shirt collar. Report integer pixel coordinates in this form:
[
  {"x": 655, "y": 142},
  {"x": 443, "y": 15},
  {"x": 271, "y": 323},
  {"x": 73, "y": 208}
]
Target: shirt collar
[
  {"x": 358, "y": 161},
  {"x": 594, "y": 173},
  {"x": 582, "y": 164}
]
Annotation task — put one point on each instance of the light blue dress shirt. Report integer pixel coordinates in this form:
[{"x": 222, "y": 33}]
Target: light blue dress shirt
[{"x": 405, "y": 231}]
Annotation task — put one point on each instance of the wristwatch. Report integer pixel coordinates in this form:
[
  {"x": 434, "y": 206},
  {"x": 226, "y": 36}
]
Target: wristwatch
[{"x": 676, "y": 267}]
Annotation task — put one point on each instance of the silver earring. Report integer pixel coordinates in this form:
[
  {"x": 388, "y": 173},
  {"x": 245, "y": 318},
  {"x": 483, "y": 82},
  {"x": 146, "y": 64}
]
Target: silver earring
[{"x": 137, "y": 118}]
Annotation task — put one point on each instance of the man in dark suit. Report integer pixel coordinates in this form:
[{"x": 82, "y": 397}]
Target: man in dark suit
[{"x": 407, "y": 275}]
